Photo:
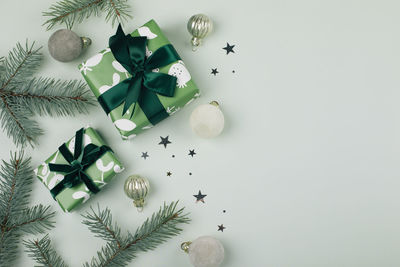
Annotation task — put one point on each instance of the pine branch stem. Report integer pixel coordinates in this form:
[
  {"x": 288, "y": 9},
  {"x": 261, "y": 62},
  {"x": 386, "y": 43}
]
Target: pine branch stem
[
  {"x": 7, "y": 213},
  {"x": 25, "y": 223},
  {"x": 17, "y": 69},
  {"x": 95, "y": 2},
  {"x": 29, "y": 138},
  {"x": 112, "y": 233},
  {"x": 133, "y": 242},
  {"x": 49, "y": 98},
  {"x": 14, "y": 182},
  {"x": 116, "y": 10},
  {"x": 47, "y": 260}
]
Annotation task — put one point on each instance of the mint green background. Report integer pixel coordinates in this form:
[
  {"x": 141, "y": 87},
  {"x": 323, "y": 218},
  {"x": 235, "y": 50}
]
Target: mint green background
[
  {"x": 307, "y": 167},
  {"x": 102, "y": 74}
]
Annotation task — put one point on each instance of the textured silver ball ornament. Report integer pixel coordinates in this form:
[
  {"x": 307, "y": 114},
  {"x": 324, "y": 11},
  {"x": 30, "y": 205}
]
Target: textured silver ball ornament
[
  {"x": 65, "y": 45},
  {"x": 137, "y": 187},
  {"x": 199, "y": 26},
  {"x": 205, "y": 251}
]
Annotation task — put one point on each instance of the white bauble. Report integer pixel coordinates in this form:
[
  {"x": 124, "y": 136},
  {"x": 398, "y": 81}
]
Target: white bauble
[
  {"x": 207, "y": 120},
  {"x": 206, "y": 251}
]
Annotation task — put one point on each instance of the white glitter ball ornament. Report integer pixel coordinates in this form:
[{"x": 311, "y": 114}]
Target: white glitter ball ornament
[
  {"x": 205, "y": 251},
  {"x": 207, "y": 120}
]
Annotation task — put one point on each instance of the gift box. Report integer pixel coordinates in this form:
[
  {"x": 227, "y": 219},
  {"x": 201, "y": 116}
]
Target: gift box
[
  {"x": 139, "y": 80},
  {"x": 78, "y": 169}
]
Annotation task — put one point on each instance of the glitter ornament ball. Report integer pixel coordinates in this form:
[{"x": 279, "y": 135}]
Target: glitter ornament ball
[
  {"x": 199, "y": 26},
  {"x": 205, "y": 251},
  {"x": 137, "y": 188},
  {"x": 207, "y": 120},
  {"x": 65, "y": 45}
]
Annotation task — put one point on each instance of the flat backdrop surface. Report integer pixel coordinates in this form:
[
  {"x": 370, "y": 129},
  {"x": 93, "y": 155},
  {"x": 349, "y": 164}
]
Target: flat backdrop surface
[{"x": 307, "y": 167}]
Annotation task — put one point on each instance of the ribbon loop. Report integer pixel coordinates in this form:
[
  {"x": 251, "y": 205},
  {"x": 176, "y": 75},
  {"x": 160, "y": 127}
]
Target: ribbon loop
[
  {"x": 130, "y": 52},
  {"x": 82, "y": 158}
]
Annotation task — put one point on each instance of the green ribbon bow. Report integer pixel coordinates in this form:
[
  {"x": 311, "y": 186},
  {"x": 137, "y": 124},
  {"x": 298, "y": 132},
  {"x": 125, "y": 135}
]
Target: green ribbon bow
[
  {"x": 78, "y": 163},
  {"x": 144, "y": 85}
]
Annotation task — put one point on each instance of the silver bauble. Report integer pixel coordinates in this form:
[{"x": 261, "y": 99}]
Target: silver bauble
[
  {"x": 137, "y": 188},
  {"x": 199, "y": 26},
  {"x": 65, "y": 45}
]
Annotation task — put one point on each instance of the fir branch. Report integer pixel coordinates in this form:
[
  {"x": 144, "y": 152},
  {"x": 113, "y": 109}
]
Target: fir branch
[
  {"x": 22, "y": 96},
  {"x": 43, "y": 253},
  {"x": 70, "y": 11},
  {"x": 47, "y": 96},
  {"x": 17, "y": 124},
  {"x": 20, "y": 63},
  {"x": 15, "y": 217},
  {"x": 101, "y": 225},
  {"x": 34, "y": 220},
  {"x": 161, "y": 226}
]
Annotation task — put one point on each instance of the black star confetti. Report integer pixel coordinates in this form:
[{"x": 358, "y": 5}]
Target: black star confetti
[
  {"x": 214, "y": 71},
  {"x": 221, "y": 228},
  {"x": 233, "y": 71},
  {"x": 229, "y": 48},
  {"x": 199, "y": 197},
  {"x": 145, "y": 155},
  {"x": 164, "y": 141},
  {"x": 191, "y": 152},
  {"x": 224, "y": 211},
  {"x": 190, "y": 173},
  {"x": 173, "y": 156},
  {"x": 169, "y": 173}
]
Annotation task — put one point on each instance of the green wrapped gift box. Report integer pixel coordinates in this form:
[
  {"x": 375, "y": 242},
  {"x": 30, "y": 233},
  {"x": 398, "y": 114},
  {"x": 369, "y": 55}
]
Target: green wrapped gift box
[
  {"x": 103, "y": 72},
  {"x": 104, "y": 167}
]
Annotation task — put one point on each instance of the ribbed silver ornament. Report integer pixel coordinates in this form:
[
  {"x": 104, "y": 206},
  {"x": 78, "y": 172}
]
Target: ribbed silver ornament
[
  {"x": 199, "y": 26},
  {"x": 137, "y": 187}
]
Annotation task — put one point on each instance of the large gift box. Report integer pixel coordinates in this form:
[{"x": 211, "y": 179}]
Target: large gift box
[
  {"x": 139, "y": 80},
  {"x": 79, "y": 168}
]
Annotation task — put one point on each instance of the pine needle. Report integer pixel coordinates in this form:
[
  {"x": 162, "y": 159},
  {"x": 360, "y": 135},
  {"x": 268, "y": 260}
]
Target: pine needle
[
  {"x": 22, "y": 96},
  {"x": 70, "y": 11},
  {"x": 16, "y": 218},
  {"x": 43, "y": 253},
  {"x": 119, "y": 250}
]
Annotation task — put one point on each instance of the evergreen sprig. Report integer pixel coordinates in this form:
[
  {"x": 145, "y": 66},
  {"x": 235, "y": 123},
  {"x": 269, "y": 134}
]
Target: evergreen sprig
[
  {"x": 16, "y": 218},
  {"x": 43, "y": 253},
  {"x": 70, "y": 11},
  {"x": 119, "y": 250},
  {"x": 22, "y": 96}
]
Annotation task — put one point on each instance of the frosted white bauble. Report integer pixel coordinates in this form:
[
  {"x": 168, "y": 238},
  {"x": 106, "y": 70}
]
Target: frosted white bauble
[
  {"x": 206, "y": 251},
  {"x": 207, "y": 120}
]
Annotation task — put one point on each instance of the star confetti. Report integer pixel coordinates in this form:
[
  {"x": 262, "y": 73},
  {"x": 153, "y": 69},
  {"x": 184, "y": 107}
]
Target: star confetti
[
  {"x": 169, "y": 173},
  {"x": 164, "y": 141},
  {"x": 229, "y": 48},
  {"x": 145, "y": 155},
  {"x": 221, "y": 228},
  {"x": 214, "y": 71},
  {"x": 199, "y": 197},
  {"x": 191, "y": 152}
]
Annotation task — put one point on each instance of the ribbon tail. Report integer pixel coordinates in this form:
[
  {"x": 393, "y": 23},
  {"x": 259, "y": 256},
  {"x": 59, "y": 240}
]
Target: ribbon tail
[
  {"x": 152, "y": 107},
  {"x": 133, "y": 93},
  {"x": 89, "y": 183}
]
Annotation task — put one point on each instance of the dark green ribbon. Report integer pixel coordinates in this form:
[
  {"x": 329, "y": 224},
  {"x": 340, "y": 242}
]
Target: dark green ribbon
[
  {"x": 78, "y": 163},
  {"x": 144, "y": 85}
]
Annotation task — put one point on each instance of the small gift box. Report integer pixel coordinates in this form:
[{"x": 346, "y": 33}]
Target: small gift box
[
  {"x": 78, "y": 169},
  {"x": 139, "y": 80}
]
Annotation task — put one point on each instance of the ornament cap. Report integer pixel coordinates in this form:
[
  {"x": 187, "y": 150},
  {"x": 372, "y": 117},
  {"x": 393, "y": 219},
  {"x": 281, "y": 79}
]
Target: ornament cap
[
  {"x": 214, "y": 103},
  {"x": 196, "y": 42},
  {"x": 86, "y": 42},
  {"x": 185, "y": 246}
]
